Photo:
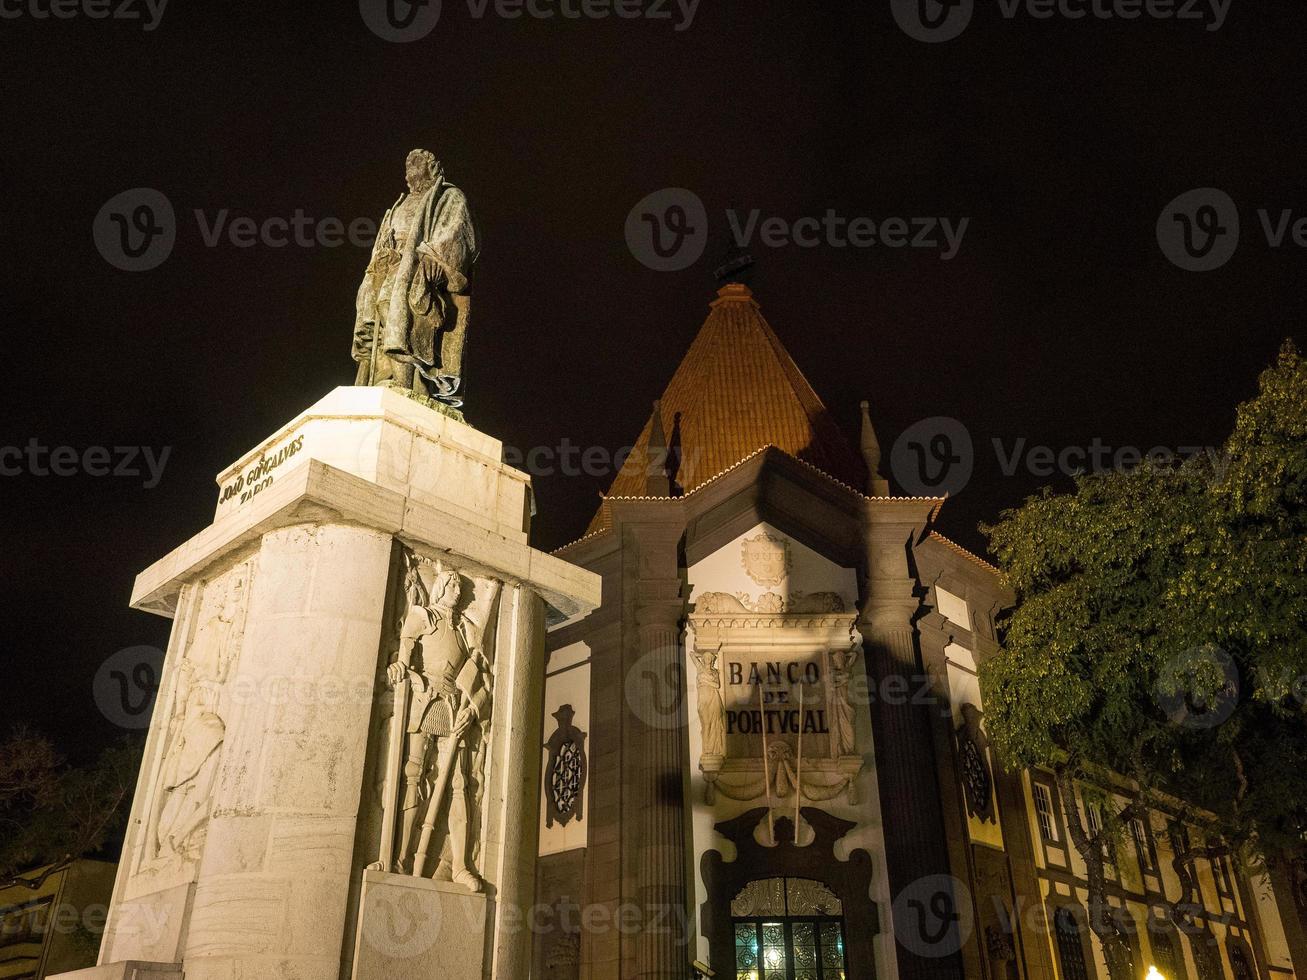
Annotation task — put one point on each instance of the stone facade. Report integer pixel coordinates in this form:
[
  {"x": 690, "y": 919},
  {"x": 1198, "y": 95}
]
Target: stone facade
[{"x": 782, "y": 701}]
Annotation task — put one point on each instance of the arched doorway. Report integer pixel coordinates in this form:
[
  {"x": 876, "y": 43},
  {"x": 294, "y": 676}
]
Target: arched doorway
[{"x": 787, "y": 929}]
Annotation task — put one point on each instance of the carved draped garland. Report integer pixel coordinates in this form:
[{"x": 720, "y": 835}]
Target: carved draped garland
[{"x": 778, "y": 645}]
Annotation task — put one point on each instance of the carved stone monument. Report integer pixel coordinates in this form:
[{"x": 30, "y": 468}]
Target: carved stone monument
[{"x": 341, "y": 779}]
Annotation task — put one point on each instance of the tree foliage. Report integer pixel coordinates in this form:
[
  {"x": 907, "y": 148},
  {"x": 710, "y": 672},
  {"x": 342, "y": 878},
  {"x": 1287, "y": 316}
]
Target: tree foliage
[
  {"x": 52, "y": 813},
  {"x": 1160, "y": 632}
]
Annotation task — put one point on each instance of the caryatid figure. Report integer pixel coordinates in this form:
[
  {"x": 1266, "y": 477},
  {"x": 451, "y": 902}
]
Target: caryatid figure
[
  {"x": 413, "y": 305},
  {"x": 448, "y": 695}
]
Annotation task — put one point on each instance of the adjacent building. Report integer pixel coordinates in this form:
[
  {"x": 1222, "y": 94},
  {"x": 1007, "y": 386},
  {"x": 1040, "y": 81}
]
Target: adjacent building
[
  {"x": 52, "y": 922},
  {"x": 766, "y": 752}
]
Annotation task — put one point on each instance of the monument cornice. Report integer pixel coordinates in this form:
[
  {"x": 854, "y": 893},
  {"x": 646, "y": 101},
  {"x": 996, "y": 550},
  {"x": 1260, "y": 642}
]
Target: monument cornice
[{"x": 317, "y": 493}]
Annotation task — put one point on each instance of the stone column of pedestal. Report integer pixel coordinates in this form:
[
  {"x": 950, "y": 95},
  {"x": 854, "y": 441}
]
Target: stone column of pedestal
[
  {"x": 512, "y": 836},
  {"x": 270, "y": 897},
  {"x": 915, "y": 842}
]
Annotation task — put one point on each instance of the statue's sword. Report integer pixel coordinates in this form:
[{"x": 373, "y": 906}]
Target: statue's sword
[
  {"x": 388, "y": 861},
  {"x": 445, "y": 774}
]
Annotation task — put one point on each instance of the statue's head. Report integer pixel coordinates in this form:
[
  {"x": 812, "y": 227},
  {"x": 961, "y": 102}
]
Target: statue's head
[
  {"x": 447, "y": 589},
  {"x": 421, "y": 170}
]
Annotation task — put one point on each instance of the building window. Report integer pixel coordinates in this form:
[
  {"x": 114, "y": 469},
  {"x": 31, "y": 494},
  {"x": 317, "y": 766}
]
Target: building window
[
  {"x": 1070, "y": 950},
  {"x": 1240, "y": 962},
  {"x": 1221, "y": 873},
  {"x": 1165, "y": 956},
  {"x": 1207, "y": 956},
  {"x": 1094, "y": 818},
  {"x": 1144, "y": 847},
  {"x": 1044, "y": 812},
  {"x": 788, "y": 929}
]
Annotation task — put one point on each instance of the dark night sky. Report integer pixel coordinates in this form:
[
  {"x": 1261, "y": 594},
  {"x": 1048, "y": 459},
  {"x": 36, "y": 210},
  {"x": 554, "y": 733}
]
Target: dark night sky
[{"x": 1059, "y": 321}]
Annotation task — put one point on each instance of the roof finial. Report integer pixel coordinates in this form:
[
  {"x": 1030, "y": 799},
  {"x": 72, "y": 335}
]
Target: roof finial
[
  {"x": 877, "y": 485},
  {"x": 656, "y": 481},
  {"x": 738, "y": 266}
]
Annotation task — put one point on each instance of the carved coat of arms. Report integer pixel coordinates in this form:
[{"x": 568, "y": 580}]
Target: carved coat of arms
[{"x": 766, "y": 559}]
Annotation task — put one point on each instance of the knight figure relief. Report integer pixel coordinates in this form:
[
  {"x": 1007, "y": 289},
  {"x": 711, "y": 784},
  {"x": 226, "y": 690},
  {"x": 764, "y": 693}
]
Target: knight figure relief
[{"x": 441, "y": 677}]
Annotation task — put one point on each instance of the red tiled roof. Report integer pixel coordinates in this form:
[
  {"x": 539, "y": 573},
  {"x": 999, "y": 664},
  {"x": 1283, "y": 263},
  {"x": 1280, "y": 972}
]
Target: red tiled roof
[{"x": 736, "y": 391}]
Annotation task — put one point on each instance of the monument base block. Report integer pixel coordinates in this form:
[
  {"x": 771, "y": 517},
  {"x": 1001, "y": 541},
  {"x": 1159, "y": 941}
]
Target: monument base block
[
  {"x": 410, "y": 926},
  {"x": 128, "y": 970}
]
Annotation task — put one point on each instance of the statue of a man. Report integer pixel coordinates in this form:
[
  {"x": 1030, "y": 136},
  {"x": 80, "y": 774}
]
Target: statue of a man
[{"x": 413, "y": 305}]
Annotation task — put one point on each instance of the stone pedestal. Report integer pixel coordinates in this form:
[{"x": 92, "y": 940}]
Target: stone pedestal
[{"x": 269, "y": 785}]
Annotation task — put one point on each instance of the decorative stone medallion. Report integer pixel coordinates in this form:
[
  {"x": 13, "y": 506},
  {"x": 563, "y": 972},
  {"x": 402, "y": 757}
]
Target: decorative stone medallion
[
  {"x": 766, "y": 559},
  {"x": 565, "y": 771}
]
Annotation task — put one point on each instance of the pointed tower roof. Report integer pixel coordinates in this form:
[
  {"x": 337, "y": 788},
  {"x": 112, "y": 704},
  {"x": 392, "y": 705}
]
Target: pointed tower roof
[{"x": 736, "y": 391}]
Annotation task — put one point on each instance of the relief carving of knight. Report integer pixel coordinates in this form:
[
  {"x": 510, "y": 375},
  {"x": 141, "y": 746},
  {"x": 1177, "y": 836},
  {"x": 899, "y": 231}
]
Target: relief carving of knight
[{"x": 442, "y": 681}]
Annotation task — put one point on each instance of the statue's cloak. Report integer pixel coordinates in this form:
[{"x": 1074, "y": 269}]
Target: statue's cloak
[{"x": 427, "y": 299}]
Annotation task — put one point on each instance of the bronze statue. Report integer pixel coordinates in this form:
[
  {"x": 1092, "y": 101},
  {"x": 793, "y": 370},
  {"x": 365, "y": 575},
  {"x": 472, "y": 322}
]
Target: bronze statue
[{"x": 413, "y": 305}]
